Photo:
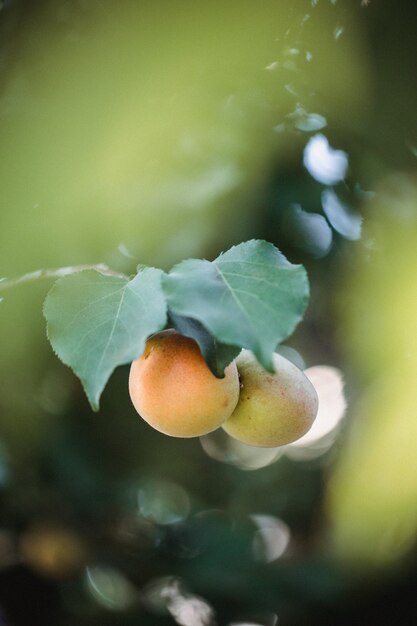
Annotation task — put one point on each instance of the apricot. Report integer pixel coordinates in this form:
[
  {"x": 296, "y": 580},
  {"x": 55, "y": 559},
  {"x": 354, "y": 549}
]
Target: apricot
[
  {"x": 273, "y": 409},
  {"x": 173, "y": 389}
]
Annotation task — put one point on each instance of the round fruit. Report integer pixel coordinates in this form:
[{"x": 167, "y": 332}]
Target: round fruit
[
  {"x": 273, "y": 409},
  {"x": 172, "y": 388}
]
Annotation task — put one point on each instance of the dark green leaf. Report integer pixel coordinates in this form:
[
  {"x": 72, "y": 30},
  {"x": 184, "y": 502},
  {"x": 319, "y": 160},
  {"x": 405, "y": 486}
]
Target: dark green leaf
[
  {"x": 97, "y": 322},
  {"x": 250, "y": 296},
  {"x": 216, "y": 354}
]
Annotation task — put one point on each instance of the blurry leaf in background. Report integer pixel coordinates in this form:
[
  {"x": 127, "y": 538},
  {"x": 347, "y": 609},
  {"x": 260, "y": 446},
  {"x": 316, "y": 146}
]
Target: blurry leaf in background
[
  {"x": 324, "y": 163},
  {"x": 373, "y": 495},
  {"x": 378, "y": 301},
  {"x": 344, "y": 220},
  {"x": 307, "y": 122},
  {"x": 151, "y": 116},
  {"x": 306, "y": 231}
]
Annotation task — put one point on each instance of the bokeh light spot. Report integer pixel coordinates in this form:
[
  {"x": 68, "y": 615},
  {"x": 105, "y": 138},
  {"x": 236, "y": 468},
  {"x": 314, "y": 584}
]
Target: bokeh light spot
[
  {"x": 110, "y": 588},
  {"x": 168, "y": 594},
  {"x": 326, "y": 165},
  {"x": 163, "y": 502},
  {"x": 220, "y": 447},
  {"x": 271, "y": 539},
  {"x": 329, "y": 385}
]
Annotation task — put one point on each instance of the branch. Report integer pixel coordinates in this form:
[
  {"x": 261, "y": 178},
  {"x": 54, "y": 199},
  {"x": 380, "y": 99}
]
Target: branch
[{"x": 7, "y": 283}]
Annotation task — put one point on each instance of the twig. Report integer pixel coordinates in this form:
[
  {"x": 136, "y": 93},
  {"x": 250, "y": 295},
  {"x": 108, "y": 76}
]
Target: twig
[{"x": 7, "y": 283}]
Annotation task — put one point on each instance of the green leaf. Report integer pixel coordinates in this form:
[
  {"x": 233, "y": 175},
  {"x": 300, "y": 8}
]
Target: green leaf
[
  {"x": 97, "y": 322},
  {"x": 216, "y": 354},
  {"x": 250, "y": 296}
]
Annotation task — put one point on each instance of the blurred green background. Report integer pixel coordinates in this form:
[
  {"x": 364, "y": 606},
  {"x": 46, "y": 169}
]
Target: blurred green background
[{"x": 149, "y": 132}]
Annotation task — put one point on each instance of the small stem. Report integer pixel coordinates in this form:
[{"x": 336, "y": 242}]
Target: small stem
[{"x": 7, "y": 283}]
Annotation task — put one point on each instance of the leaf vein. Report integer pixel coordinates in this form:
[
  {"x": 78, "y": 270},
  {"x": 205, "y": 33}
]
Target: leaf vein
[{"x": 116, "y": 319}]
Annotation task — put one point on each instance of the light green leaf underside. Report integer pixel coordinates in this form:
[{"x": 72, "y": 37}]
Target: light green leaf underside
[
  {"x": 250, "y": 296},
  {"x": 97, "y": 322}
]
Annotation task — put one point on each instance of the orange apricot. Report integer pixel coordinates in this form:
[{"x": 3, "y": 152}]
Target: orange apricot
[{"x": 173, "y": 389}]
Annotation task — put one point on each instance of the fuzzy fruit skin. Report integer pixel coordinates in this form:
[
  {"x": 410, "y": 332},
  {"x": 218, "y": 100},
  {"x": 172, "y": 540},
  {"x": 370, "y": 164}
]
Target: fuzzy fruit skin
[
  {"x": 172, "y": 388},
  {"x": 273, "y": 409}
]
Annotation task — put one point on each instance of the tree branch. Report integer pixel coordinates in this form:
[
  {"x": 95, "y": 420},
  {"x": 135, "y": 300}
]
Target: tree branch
[{"x": 7, "y": 283}]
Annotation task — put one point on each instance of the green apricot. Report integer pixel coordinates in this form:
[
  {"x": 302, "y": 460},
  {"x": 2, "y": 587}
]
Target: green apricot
[{"x": 273, "y": 409}]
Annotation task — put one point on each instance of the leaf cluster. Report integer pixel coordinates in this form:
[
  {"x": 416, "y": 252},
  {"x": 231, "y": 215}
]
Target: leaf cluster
[{"x": 249, "y": 297}]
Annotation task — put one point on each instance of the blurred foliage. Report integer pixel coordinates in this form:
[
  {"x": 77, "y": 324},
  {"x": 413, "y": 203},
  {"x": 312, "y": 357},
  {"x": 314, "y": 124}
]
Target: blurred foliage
[
  {"x": 144, "y": 134},
  {"x": 374, "y": 492},
  {"x": 141, "y": 132}
]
